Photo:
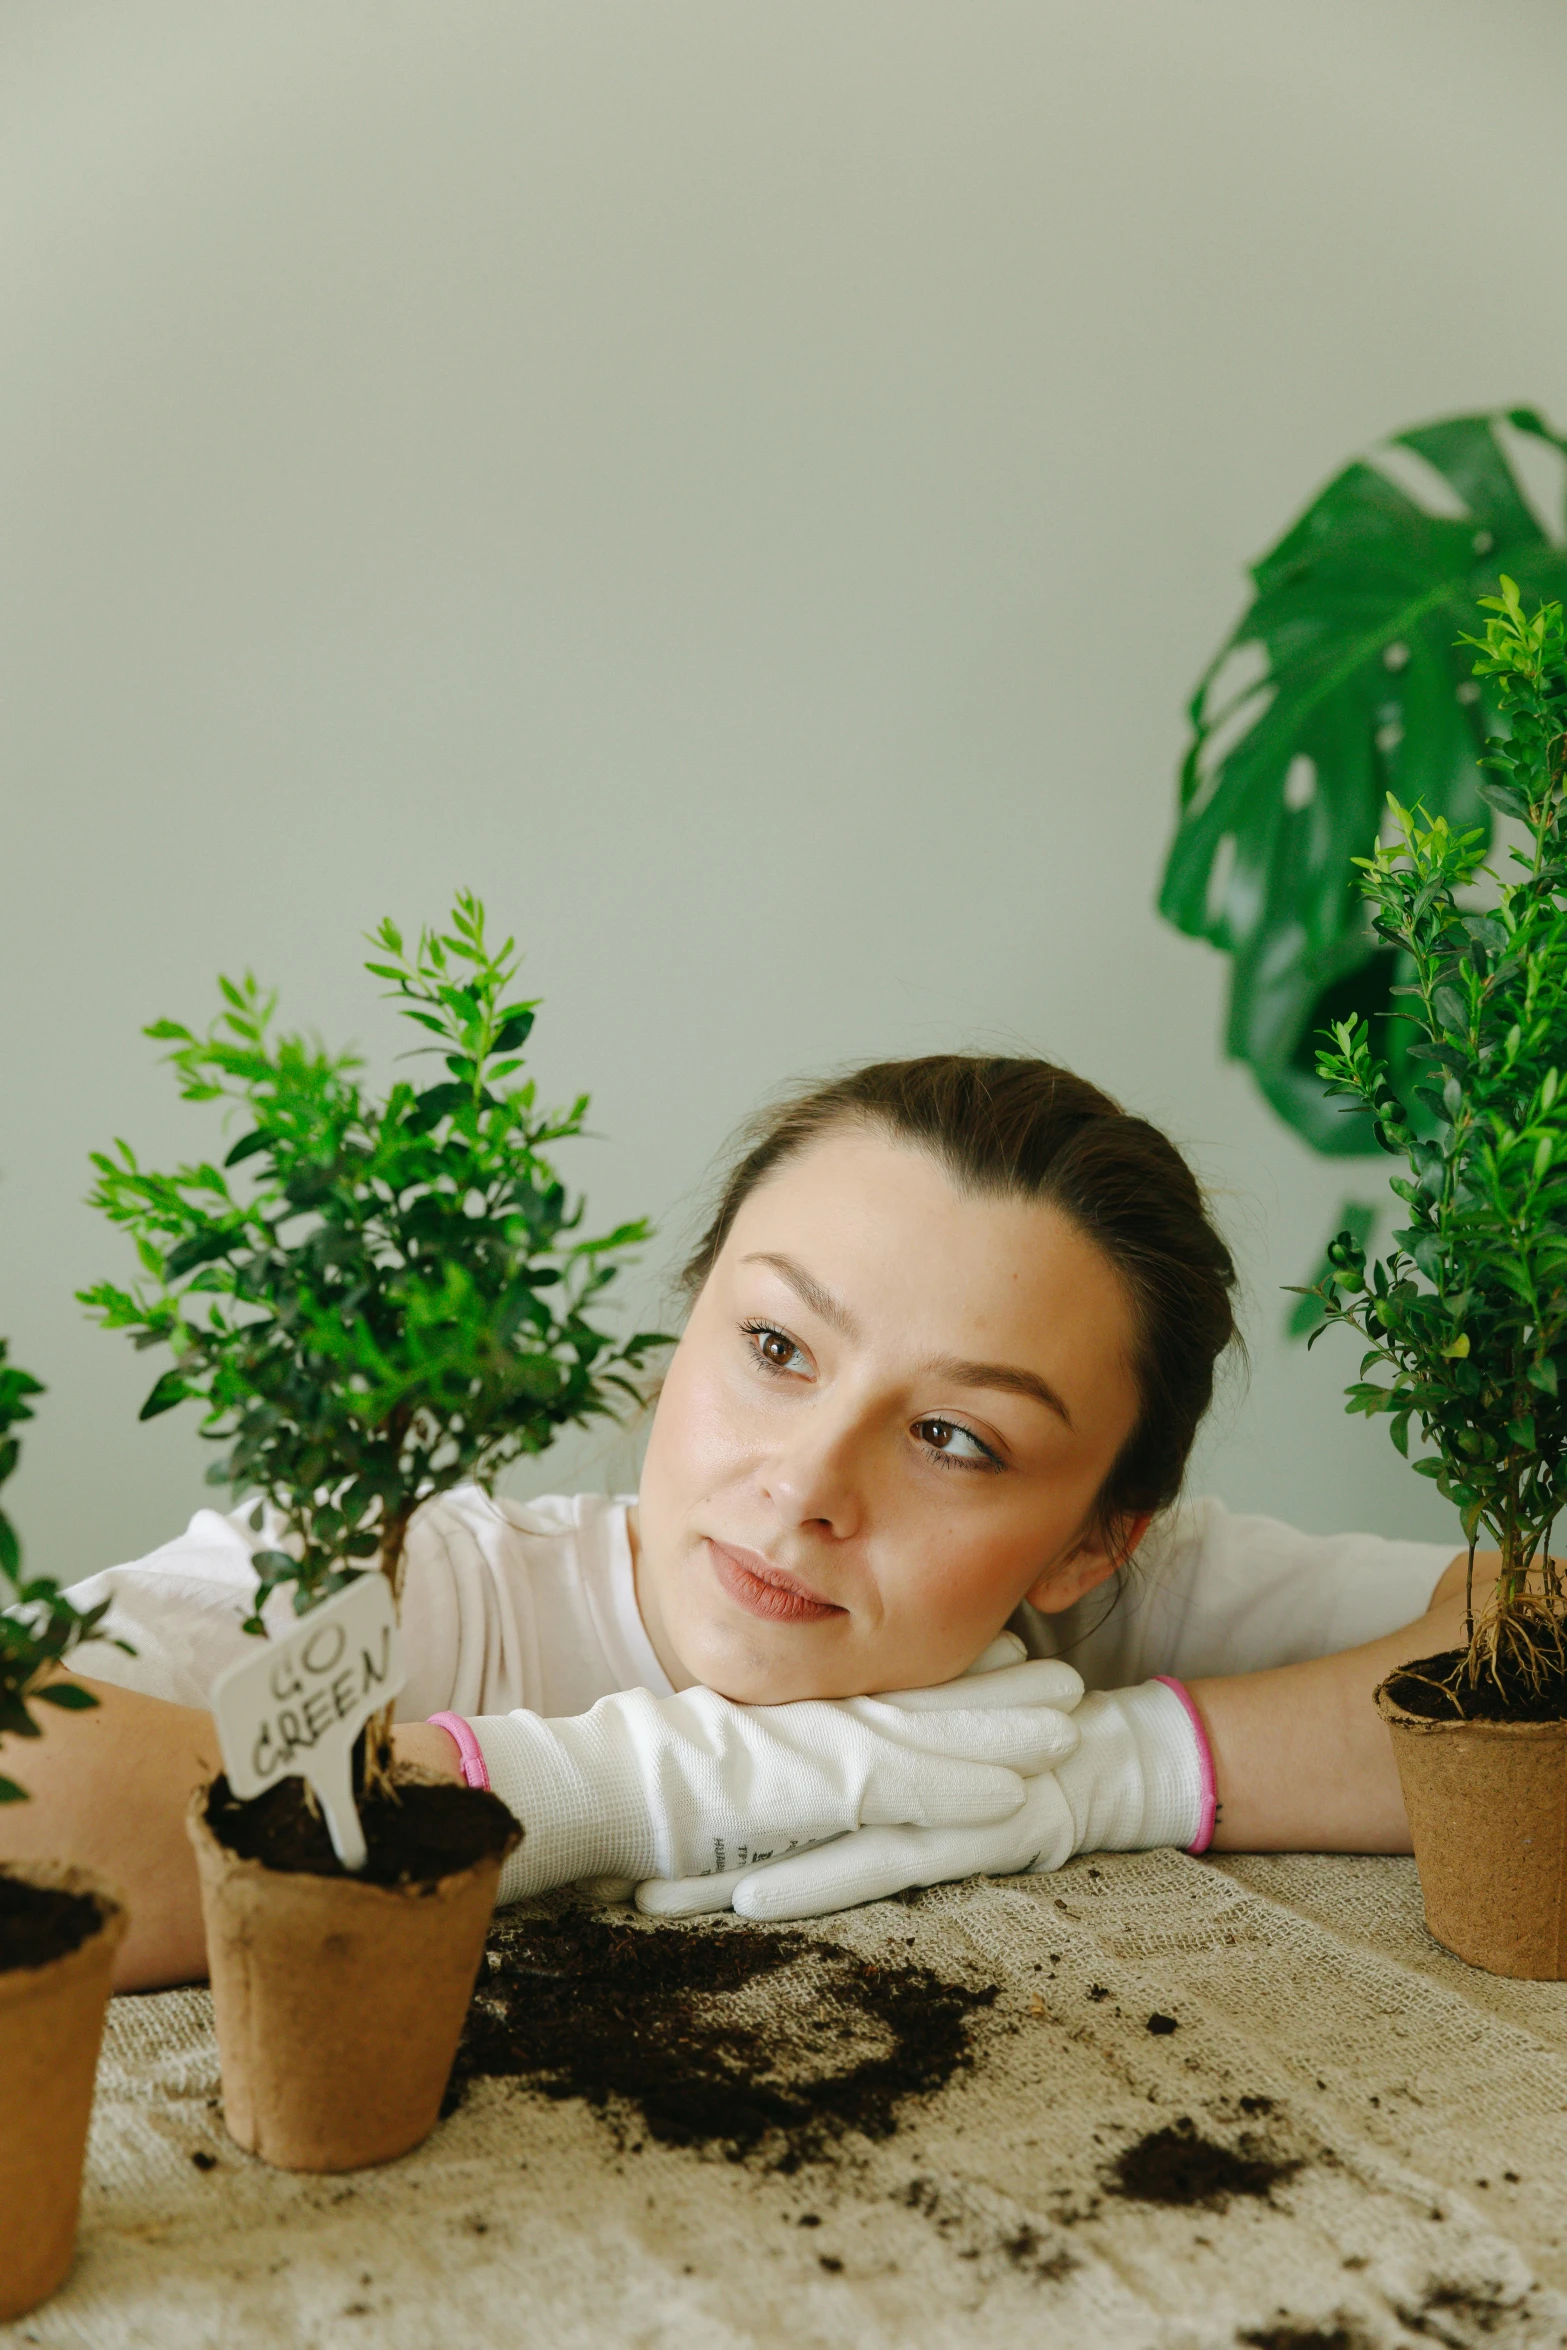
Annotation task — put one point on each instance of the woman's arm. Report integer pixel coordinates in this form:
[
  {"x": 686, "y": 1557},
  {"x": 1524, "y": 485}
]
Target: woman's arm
[
  {"x": 1302, "y": 1759},
  {"x": 108, "y": 1790},
  {"x": 1304, "y": 1762},
  {"x": 635, "y": 1787}
]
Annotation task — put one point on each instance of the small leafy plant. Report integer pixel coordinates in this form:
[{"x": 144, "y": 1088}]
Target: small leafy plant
[
  {"x": 373, "y": 1299},
  {"x": 39, "y": 1626},
  {"x": 1468, "y": 1314}
]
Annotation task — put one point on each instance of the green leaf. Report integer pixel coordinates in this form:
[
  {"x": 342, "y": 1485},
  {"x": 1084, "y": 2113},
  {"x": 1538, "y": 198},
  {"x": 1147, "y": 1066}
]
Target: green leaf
[
  {"x": 1354, "y": 1221},
  {"x": 248, "y": 1145},
  {"x": 1506, "y": 798},
  {"x": 434, "y": 1104},
  {"x": 203, "y": 1248},
  {"x": 67, "y": 1695},
  {"x": 1356, "y": 685},
  {"x": 170, "y": 1390}
]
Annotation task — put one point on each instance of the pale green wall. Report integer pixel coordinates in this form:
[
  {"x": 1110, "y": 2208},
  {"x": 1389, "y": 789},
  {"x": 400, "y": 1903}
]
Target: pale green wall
[{"x": 749, "y": 488}]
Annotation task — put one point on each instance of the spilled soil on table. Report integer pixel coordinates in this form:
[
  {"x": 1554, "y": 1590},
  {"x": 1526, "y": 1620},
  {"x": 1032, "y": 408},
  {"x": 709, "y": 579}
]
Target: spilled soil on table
[
  {"x": 1178, "y": 2166},
  {"x": 759, "y": 2042},
  {"x": 1305, "y": 2337}
]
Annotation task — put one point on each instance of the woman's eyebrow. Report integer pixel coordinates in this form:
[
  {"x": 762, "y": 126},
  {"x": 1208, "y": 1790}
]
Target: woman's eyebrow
[
  {"x": 809, "y": 1291},
  {"x": 1006, "y": 1376}
]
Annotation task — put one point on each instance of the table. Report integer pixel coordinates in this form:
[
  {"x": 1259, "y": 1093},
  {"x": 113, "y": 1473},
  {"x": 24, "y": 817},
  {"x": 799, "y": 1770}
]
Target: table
[{"x": 1375, "y": 2134}]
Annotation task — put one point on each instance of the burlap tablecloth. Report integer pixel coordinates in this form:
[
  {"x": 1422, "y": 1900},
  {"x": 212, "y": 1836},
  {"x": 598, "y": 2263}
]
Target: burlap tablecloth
[{"x": 1425, "y": 2105}]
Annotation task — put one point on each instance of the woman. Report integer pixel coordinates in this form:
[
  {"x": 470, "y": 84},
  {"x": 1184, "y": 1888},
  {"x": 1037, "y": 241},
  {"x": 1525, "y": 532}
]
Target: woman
[{"x": 953, "y": 1329}]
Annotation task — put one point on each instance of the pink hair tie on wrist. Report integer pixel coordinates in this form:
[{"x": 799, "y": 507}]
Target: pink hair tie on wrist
[
  {"x": 1208, "y": 1810},
  {"x": 469, "y": 1750}
]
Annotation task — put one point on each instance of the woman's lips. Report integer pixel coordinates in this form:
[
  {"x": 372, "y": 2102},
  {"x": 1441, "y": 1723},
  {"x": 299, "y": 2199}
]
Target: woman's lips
[{"x": 765, "y": 1590}]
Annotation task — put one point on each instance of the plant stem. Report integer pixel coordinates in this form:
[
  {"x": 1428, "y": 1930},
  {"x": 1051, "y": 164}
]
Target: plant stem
[{"x": 378, "y": 1732}]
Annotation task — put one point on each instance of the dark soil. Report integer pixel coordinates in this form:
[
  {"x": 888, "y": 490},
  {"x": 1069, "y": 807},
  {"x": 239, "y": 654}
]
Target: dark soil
[
  {"x": 1177, "y": 2165},
  {"x": 1481, "y": 2308},
  {"x": 38, "y": 1922},
  {"x": 1434, "y": 1688},
  {"x": 1293, "y": 2337},
  {"x": 423, "y": 1831},
  {"x": 663, "y": 2024},
  {"x": 974, "y": 2237}
]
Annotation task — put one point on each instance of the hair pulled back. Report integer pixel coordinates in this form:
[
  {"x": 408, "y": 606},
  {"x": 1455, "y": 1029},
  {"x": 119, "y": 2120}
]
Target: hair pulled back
[{"x": 1025, "y": 1129}]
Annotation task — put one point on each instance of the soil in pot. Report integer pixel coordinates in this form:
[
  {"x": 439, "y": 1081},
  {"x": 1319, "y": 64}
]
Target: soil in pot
[
  {"x": 338, "y": 1999},
  {"x": 1436, "y": 1688},
  {"x": 59, "y": 1930},
  {"x": 1484, "y": 1777},
  {"x": 431, "y": 1830},
  {"x": 41, "y": 1922}
]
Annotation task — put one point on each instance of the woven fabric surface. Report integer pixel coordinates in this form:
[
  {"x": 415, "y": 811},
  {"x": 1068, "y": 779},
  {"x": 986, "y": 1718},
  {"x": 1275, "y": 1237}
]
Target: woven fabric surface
[{"x": 1371, "y": 2136}]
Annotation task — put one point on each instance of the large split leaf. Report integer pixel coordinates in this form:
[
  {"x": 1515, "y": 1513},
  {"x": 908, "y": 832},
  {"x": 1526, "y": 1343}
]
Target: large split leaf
[{"x": 1343, "y": 682}]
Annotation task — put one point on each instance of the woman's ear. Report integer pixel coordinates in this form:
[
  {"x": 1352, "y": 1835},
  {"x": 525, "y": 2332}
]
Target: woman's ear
[{"x": 1088, "y": 1564}]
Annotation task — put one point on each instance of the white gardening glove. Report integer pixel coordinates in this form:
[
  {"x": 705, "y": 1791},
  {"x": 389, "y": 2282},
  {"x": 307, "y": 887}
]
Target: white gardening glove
[
  {"x": 647, "y": 1786},
  {"x": 1003, "y": 1677},
  {"x": 1136, "y": 1779}
]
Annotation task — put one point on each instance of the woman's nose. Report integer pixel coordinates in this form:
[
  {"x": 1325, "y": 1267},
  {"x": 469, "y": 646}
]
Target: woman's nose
[{"x": 813, "y": 1476}]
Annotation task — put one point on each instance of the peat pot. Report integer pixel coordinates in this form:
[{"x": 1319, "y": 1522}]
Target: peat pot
[
  {"x": 51, "y": 2021},
  {"x": 338, "y": 2003},
  {"x": 1487, "y": 1804}
]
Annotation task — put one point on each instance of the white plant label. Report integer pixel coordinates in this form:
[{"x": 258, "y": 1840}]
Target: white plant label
[{"x": 295, "y": 1708}]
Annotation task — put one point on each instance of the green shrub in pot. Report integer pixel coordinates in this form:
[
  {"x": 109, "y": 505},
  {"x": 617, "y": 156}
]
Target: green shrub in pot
[
  {"x": 59, "y": 1930},
  {"x": 374, "y": 1298},
  {"x": 1465, "y": 1321}
]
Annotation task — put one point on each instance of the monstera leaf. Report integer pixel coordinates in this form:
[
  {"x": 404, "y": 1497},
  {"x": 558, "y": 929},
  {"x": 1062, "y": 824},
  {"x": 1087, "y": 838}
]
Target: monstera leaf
[{"x": 1341, "y": 683}]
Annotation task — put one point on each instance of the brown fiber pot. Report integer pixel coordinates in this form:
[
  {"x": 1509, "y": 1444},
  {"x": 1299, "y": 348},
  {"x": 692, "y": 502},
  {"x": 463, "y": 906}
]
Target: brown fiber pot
[
  {"x": 1487, "y": 1805},
  {"x": 338, "y": 2005},
  {"x": 51, "y": 2021}
]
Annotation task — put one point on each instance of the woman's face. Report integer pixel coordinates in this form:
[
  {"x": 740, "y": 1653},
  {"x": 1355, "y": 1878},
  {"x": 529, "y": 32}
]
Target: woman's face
[{"x": 886, "y": 1424}]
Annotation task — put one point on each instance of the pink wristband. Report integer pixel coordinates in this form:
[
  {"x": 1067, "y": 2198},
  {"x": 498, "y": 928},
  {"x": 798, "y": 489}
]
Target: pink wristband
[
  {"x": 461, "y": 1733},
  {"x": 1210, "y": 1792}
]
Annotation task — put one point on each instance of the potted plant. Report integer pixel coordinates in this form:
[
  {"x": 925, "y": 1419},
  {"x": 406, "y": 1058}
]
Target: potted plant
[
  {"x": 59, "y": 1930},
  {"x": 374, "y": 1299},
  {"x": 1467, "y": 1317},
  {"x": 1340, "y": 682}
]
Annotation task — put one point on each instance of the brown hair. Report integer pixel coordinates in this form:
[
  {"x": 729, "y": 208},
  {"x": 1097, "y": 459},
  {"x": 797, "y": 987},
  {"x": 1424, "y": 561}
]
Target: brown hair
[{"x": 1034, "y": 1131}]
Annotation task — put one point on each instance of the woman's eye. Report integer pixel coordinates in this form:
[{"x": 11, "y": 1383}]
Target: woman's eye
[
  {"x": 775, "y": 1348},
  {"x": 952, "y": 1444}
]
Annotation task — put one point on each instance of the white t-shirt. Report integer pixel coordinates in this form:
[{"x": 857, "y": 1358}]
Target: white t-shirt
[
  {"x": 533, "y": 1605},
  {"x": 1211, "y": 1591}
]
